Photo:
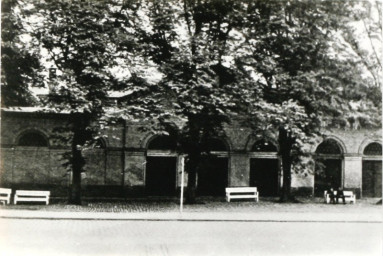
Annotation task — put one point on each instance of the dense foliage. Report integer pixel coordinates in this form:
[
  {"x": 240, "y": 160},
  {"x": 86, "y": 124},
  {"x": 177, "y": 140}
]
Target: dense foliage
[
  {"x": 287, "y": 69},
  {"x": 19, "y": 67}
]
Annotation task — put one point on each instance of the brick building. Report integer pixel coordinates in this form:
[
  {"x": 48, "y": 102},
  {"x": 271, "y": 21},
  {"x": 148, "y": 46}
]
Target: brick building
[{"x": 131, "y": 162}]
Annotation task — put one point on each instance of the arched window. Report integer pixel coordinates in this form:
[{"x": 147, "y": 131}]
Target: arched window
[
  {"x": 162, "y": 142},
  {"x": 329, "y": 147},
  {"x": 264, "y": 146},
  {"x": 373, "y": 149},
  {"x": 32, "y": 139}
]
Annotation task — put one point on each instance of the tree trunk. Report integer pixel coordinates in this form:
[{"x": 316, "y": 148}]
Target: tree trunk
[
  {"x": 75, "y": 186},
  {"x": 80, "y": 136},
  {"x": 75, "y": 189},
  {"x": 192, "y": 166},
  {"x": 191, "y": 187},
  {"x": 286, "y": 171},
  {"x": 285, "y": 146}
]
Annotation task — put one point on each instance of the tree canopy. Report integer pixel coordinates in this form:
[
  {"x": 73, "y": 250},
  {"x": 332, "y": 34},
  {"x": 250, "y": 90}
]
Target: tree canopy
[
  {"x": 20, "y": 66},
  {"x": 287, "y": 69}
]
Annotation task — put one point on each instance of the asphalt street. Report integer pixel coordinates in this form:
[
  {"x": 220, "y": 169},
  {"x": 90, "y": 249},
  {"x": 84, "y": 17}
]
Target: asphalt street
[{"x": 166, "y": 237}]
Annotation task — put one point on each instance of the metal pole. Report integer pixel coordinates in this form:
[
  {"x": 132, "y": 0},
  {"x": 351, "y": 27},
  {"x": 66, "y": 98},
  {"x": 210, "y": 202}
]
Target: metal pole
[{"x": 182, "y": 183}]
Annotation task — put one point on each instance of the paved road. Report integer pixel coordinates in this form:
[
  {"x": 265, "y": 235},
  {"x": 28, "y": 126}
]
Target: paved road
[{"x": 122, "y": 237}]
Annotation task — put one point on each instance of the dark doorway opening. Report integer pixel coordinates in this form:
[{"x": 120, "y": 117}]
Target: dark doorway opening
[
  {"x": 161, "y": 176},
  {"x": 372, "y": 179},
  {"x": 328, "y": 174},
  {"x": 264, "y": 176},
  {"x": 212, "y": 176}
]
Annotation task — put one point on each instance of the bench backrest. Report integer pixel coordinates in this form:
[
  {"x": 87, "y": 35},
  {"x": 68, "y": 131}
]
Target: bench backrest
[
  {"x": 241, "y": 189},
  {"x": 5, "y": 191},
  {"x": 345, "y": 193},
  {"x": 348, "y": 193},
  {"x": 32, "y": 193}
]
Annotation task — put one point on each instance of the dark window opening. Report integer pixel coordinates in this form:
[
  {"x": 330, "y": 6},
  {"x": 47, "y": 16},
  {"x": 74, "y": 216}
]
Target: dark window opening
[
  {"x": 264, "y": 176},
  {"x": 161, "y": 176},
  {"x": 328, "y": 174},
  {"x": 33, "y": 139},
  {"x": 212, "y": 176},
  {"x": 372, "y": 179}
]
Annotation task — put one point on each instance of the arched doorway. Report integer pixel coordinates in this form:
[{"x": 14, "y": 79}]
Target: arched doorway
[
  {"x": 161, "y": 163},
  {"x": 328, "y": 166},
  {"x": 213, "y": 170},
  {"x": 372, "y": 170},
  {"x": 264, "y": 171}
]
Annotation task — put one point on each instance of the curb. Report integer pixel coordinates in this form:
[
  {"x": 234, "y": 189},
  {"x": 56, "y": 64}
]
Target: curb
[
  {"x": 192, "y": 220},
  {"x": 308, "y": 217}
]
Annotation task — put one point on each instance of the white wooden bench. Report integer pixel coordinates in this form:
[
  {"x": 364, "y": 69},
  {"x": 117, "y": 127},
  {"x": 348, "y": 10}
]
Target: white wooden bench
[
  {"x": 242, "y": 192},
  {"x": 32, "y": 196},
  {"x": 5, "y": 195},
  {"x": 348, "y": 197}
]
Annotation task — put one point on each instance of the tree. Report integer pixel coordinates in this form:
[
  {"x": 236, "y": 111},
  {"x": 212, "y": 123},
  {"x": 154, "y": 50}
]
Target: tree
[
  {"x": 192, "y": 44},
  {"x": 86, "y": 41},
  {"x": 307, "y": 86},
  {"x": 209, "y": 62},
  {"x": 20, "y": 66},
  {"x": 363, "y": 38}
]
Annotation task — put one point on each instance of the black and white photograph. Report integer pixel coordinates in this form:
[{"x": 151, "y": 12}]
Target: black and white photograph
[{"x": 191, "y": 128}]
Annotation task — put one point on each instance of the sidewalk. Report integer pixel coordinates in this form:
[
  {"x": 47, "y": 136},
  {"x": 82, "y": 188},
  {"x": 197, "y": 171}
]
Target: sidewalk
[
  {"x": 266, "y": 211},
  {"x": 200, "y": 216}
]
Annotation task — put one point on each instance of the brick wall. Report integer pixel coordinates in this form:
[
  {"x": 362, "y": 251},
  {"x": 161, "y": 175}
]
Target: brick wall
[{"x": 107, "y": 169}]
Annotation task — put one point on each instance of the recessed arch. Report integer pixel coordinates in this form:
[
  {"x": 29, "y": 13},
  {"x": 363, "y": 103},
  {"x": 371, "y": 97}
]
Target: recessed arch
[
  {"x": 32, "y": 138},
  {"x": 160, "y": 165},
  {"x": 373, "y": 149},
  {"x": 366, "y": 142},
  {"x": 372, "y": 169},
  {"x": 151, "y": 135},
  {"x": 264, "y": 145},
  {"x": 329, "y": 147},
  {"x": 252, "y": 140},
  {"x": 213, "y": 170},
  {"x": 264, "y": 166},
  {"x": 328, "y": 165},
  {"x": 161, "y": 142},
  {"x": 331, "y": 140}
]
